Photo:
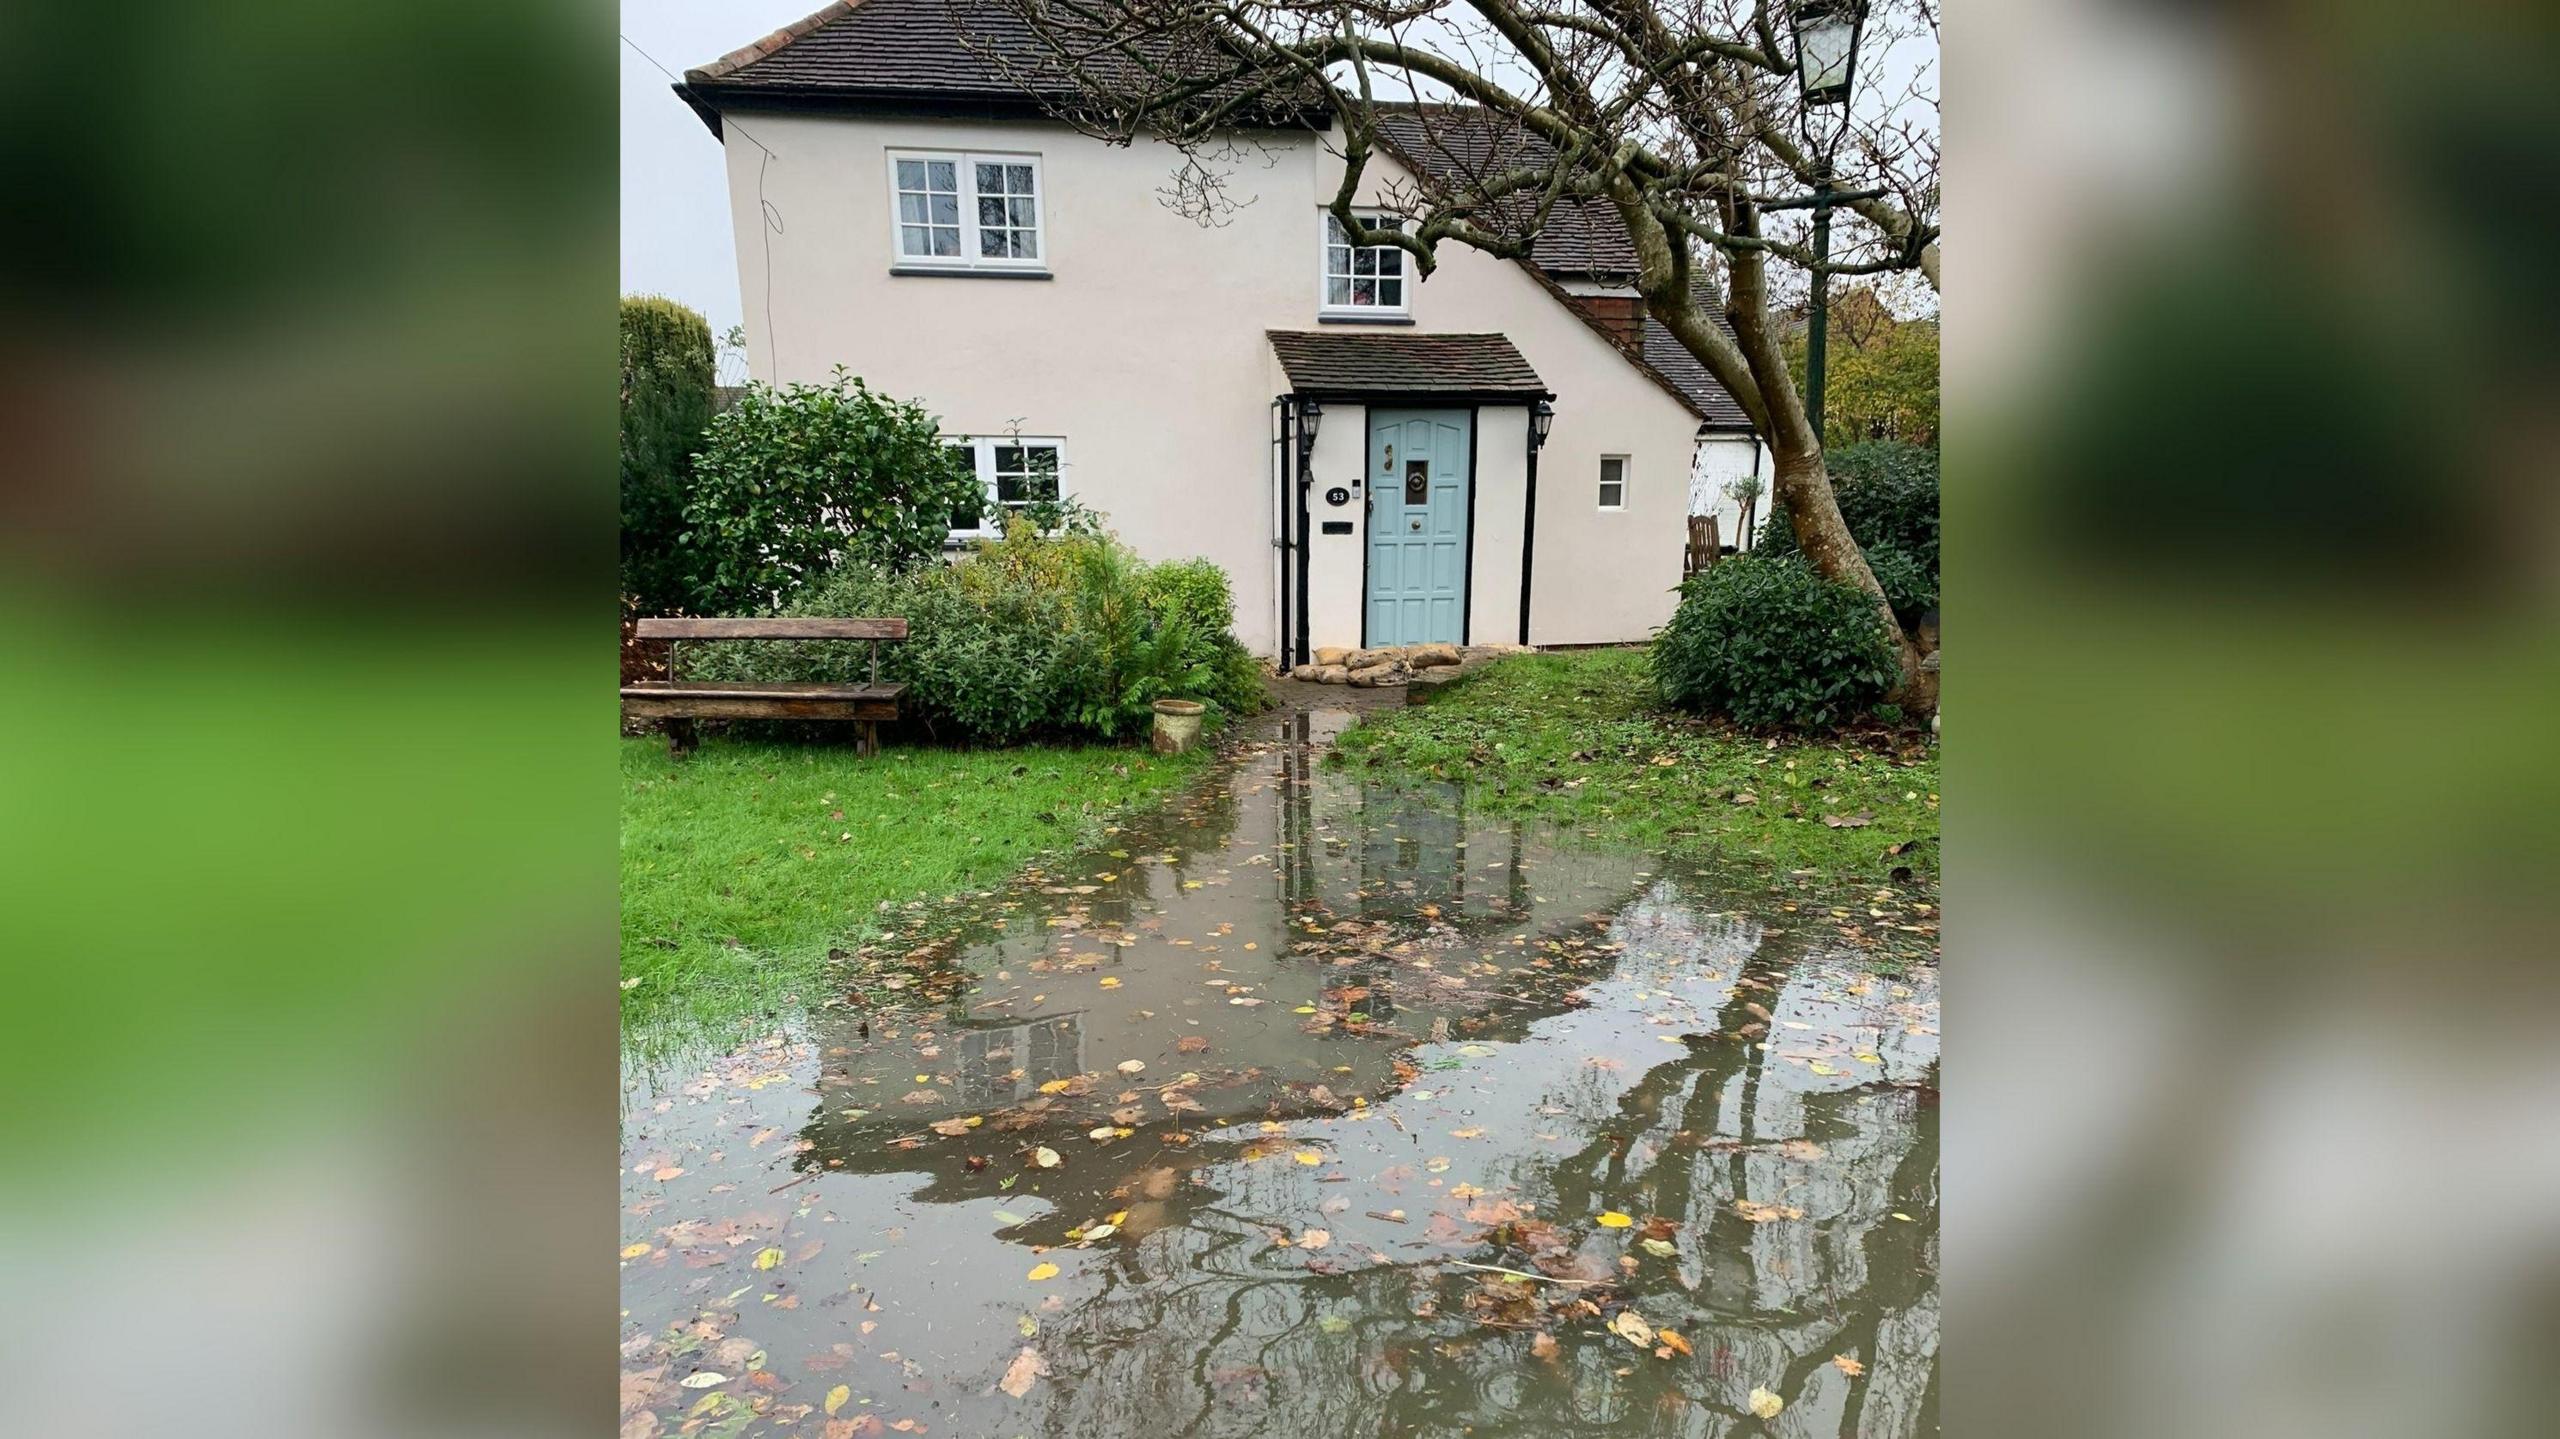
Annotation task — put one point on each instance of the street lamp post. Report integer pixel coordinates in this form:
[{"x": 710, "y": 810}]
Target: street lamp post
[{"x": 1827, "y": 34}]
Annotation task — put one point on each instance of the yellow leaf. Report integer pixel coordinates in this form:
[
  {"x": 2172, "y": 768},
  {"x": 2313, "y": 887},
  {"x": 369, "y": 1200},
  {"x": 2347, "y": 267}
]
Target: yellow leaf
[
  {"x": 767, "y": 1258},
  {"x": 836, "y": 1398},
  {"x": 1054, "y": 1086},
  {"x": 1043, "y": 1270},
  {"x": 1614, "y": 1220},
  {"x": 634, "y": 1251},
  {"x": 1766, "y": 1404},
  {"x": 1111, "y": 981},
  {"x": 1309, "y": 1156}
]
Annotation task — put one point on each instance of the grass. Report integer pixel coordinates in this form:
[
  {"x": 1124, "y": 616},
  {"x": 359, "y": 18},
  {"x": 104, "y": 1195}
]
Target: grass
[
  {"x": 1578, "y": 740},
  {"x": 744, "y": 863}
]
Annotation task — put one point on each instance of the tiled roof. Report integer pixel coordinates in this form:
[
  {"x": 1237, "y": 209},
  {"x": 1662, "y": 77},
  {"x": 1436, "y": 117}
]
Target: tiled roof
[
  {"x": 912, "y": 50},
  {"x": 885, "y": 47},
  {"x": 1327, "y": 360},
  {"x": 1672, "y": 360},
  {"x": 1459, "y": 146}
]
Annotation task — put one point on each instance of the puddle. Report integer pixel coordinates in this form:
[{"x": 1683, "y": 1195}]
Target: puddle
[{"x": 1401, "y": 1123}]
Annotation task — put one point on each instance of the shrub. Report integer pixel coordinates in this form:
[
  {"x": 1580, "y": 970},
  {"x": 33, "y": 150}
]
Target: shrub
[
  {"x": 1908, "y": 587},
  {"x": 1888, "y": 494},
  {"x": 1766, "y": 641},
  {"x": 1030, "y": 634},
  {"x": 666, "y": 404},
  {"x": 792, "y": 482}
]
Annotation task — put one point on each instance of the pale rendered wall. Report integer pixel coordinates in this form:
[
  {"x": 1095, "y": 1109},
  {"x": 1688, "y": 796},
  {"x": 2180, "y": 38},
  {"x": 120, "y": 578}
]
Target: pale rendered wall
[
  {"x": 1146, "y": 354},
  {"x": 1502, "y": 480},
  {"x": 1334, "y": 561}
]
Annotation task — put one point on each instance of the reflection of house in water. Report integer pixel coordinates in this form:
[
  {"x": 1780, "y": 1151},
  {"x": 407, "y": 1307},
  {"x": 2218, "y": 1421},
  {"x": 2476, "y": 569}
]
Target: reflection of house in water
[{"x": 1000, "y": 1066}]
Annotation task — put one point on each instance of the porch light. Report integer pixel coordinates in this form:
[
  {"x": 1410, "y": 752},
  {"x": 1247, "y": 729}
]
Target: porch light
[
  {"x": 1310, "y": 419},
  {"x": 1542, "y": 418},
  {"x": 1827, "y": 48}
]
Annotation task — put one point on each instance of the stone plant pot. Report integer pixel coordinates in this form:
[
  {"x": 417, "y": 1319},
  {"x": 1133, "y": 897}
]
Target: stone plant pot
[{"x": 1177, "y": 725}]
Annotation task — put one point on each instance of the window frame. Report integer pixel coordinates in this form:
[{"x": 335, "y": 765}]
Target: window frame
[
  {"x": 967, "y": 162},
  {"x": 1624, "y": 467},
  {"x": 982, "y": 462},
  {"x": 1404, "y": 276}
]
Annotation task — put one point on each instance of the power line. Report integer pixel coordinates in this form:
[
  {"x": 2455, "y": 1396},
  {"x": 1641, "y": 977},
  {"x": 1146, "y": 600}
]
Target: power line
[{"x": 772, "y": 213}]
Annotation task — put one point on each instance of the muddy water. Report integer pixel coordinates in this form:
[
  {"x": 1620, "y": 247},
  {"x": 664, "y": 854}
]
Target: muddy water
[{"x": 1308, "y": 1107}]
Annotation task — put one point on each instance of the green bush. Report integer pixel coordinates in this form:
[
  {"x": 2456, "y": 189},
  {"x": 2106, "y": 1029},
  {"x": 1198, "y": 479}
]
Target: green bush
[
  {"x": 793, "y": 482},
  {"x": 1888, "y": 495},
  {"x": 1032, "y": 634},
  {"x": 1766, "y": 641},
  {"x": 666, "y": 405},
  {"x": 1908, "y": 586}
]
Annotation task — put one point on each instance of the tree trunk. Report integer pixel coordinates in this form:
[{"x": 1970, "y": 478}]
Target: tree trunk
[{"x": 1814, "y": 515}]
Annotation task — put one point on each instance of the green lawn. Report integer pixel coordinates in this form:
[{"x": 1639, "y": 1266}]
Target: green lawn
[
  {"x": 745, "y": 862},
  {"x": 1577, "y": 739}
]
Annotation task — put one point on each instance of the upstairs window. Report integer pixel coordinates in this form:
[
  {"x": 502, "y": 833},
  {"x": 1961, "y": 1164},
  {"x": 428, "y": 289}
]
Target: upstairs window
[
  {"x": 1613, "y": 482},
  {"x": 1362, "y": 279},
  {"x": 1013, "y": 472},
  {"x": 967, "y": 212}
]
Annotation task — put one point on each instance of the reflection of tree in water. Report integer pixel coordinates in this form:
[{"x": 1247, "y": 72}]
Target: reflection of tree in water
[{"x": 1271, "y": 1347}]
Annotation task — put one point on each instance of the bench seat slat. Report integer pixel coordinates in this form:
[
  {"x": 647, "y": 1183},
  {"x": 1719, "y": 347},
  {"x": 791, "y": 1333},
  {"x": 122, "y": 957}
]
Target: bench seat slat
[
  {"x": 778, "y": 690},
  {"x": 737, "y": 628}
]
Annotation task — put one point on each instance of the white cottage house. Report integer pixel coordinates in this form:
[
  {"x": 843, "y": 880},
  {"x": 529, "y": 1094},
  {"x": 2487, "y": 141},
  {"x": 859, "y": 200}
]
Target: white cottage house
[{"x": 1504, "y": 453}]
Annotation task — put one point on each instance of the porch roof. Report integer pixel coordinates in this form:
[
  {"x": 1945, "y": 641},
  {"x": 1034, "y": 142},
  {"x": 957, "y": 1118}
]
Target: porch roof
[{"x": 1357, "y": 363}]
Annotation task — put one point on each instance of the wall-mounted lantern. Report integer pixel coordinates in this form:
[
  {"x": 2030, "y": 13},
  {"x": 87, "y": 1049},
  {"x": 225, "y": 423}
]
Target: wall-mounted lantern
[
  {"x": 1310, "y": 419},
  {"x": 1542, "y": 418}
]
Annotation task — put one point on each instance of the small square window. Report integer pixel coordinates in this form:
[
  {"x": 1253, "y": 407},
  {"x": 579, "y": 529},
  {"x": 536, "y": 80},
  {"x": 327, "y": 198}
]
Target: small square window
[
  {"x": 1613, "y": 482},
  {"x": 1362, "y": 278}
]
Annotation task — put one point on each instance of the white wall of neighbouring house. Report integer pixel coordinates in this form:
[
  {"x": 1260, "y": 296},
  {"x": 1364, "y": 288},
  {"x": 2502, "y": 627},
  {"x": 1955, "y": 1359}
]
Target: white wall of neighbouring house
[
  {"x": 1721, "y": 460},
  {"x": 1502, "y": 486}
]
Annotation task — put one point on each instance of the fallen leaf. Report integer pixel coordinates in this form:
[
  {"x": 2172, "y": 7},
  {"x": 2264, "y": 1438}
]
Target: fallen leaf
[
  {"x": 1671, "y": 1344},
  {"x": 1133, "y": 1066},
  {"x": 670, "y": 1172},
  {"x": 1109, "y": 981},
  {"x": 1043, "y": 1270},
  {"x": 1612, "y": 1219},
  {"x": 703, "y": 1380},
  {"x": 1544, "y": 1345},
  {"x": 1847, "y": 1365},
  {"x": 1661, "y": 1248},
  {"x": 1766, "y": 1404},
  {"x": 1759, "y": 1213},
  {"x": 1101, "y": 1231},
  {"x": 768, "y": 1257},
  {"x": 1315, "y": 1239},
  {"x": 1630, "y": 1326},
  {"x": 1045, "y": 1157},
  {"x": 836, "y": 1398},
  {"x": 634, "y": 1251},
  {"x": 1853, "y": 821},
  {"x": 1023, "y": 1372},
  {"x": 1191, "y": 1044},
  {"x": 1308, "y": 1156}
]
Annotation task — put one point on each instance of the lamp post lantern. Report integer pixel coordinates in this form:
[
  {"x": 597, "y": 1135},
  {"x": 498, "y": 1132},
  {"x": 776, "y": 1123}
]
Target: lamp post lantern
[{"x": 1827, "y": 34}]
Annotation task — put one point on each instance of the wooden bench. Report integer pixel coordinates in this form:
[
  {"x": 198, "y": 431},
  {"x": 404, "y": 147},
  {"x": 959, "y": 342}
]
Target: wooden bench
[{"x": 681, "y": 702}]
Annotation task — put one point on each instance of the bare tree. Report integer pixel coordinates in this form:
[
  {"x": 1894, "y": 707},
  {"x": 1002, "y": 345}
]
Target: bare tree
[{"x": 1673, "y": 120}]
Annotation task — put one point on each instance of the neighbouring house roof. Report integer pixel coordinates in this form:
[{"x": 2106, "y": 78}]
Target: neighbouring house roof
[
  {"x": 1331, "y": 362},
  {"x": 1666, "y": 356}
]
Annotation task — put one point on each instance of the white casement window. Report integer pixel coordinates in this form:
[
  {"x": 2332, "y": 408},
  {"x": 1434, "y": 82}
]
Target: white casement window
[
  {"x": 1613, "y": 482},
  {"x": 1014, "y": 472},
  {"x": 967, "y": 212},
  {"x": 1365, "y": 280}
]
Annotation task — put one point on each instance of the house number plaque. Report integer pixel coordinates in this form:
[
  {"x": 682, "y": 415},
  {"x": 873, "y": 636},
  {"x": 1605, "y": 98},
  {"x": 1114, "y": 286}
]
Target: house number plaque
[{"x": 1337, "y": 496}]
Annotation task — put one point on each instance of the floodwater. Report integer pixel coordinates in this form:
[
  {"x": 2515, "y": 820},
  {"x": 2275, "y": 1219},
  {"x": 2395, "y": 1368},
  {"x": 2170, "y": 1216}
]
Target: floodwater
[{"x": 1308, "y": 1107}]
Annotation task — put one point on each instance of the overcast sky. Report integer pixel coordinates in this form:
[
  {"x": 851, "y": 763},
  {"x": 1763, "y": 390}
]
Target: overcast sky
[{"x": 675, "y": 196}]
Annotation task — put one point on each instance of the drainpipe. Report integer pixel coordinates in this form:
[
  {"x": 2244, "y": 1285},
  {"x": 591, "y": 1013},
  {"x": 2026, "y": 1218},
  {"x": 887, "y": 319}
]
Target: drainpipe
[
  {"x": 1529, "y": 531},
  {"x": 1280, "y": 522},
  {"x": 1304, "y": 472}
]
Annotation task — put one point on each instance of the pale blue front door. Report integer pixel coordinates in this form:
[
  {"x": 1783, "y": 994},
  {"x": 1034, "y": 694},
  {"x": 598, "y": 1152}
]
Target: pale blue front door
[{"x": 1418, "y": 477}]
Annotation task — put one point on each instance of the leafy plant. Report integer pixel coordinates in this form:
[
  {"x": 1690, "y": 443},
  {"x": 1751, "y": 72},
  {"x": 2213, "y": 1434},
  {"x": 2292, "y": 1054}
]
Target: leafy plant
[
  {"x": 666, "y": 404},
  {"x": 794, "y": 481},
  {"x": 1768, "y": 642},
  {"x": 1888, "y": 494},
  {"x": 1029, "y": 634}
]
